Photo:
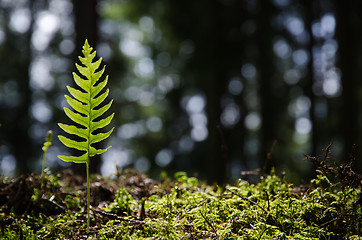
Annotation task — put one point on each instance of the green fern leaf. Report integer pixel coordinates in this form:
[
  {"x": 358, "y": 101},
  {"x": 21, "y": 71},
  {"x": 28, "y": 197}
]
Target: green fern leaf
[{"x": 85, "y": 113}]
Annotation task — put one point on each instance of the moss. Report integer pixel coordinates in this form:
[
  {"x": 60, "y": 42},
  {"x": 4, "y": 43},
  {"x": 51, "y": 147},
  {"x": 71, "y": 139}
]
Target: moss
[{"x": 185, "y": 208}]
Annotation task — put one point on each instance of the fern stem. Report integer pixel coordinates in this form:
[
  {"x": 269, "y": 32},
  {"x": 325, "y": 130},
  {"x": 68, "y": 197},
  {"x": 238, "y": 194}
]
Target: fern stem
[
  {"x": 42, "y": 170},
  {"x": 88, "y": 196},
  {"x": 43, "y": 166}
]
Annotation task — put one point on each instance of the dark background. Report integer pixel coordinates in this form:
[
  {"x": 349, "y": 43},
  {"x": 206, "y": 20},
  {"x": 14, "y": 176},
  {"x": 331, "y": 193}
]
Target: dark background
[{"x": 208, "y": 87}]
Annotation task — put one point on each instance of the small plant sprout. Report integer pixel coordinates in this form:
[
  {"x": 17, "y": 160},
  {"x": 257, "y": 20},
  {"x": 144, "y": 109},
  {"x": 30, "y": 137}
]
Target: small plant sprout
[
  {"x": 86, "y": 103},
  {"x": 46, "y": 145}
]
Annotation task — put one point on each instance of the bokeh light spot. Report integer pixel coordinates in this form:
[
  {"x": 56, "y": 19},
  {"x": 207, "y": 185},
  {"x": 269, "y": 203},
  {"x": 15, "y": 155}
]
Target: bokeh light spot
[
  {"x": 253, "y": 121},
  {"x": 164, "y": 157}
]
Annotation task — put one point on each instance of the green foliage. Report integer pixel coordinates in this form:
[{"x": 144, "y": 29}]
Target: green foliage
[
  {"x": 87, "y": 105},
  {"x": 46, "y": 145},
  {"x": 48, "y": 141},
  {"x": 183, "y": 178},
  {"x": 123, "y": 203},
  {"x": 73, "y": 202},
  {"x": 272, "y": 209}
]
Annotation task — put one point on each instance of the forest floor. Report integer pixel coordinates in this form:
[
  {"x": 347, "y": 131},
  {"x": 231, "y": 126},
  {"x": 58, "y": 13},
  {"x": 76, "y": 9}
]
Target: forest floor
[{"x": 133, "y": 206}]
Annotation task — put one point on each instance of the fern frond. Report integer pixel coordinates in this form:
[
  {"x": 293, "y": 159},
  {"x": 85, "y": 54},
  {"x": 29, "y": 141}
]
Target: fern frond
[{"x": 85, "y": 112}]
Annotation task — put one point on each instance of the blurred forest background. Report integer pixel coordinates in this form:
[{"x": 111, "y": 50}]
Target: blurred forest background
[{"x": 208, "y": 87}]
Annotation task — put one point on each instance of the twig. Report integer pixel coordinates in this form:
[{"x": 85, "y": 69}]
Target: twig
[
  {"x": 252, "y": 202},
  {"x": 207, "y": 221},
  {"x": 54, "y": 203},
  {"x": 115, "y": 216},
  {"x": 327, "y": 150},
  {"x": 329, "y": 222},
  {"x": 267, "y": 198},
  {"x": 262, "y": 233}
]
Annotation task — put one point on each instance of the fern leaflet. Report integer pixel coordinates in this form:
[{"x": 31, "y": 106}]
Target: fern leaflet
[{"x": 85, "y": 103}]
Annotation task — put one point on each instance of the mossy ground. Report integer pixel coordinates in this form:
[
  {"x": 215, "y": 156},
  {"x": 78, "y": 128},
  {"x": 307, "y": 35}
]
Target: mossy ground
[{"x": 133, "y": 206}]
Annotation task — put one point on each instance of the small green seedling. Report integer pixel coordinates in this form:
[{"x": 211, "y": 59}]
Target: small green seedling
[
  {"x": 86, "y": 104},
  {"x": 46, "y": 145}
]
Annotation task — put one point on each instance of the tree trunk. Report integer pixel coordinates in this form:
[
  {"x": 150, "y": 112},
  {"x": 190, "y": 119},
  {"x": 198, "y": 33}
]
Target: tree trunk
[
  {"x": 86, "y": 23},
  {"x": 348, "y": 18},
  {"x": 14, "y": 118},
  {"x": 86, "y": 27},
  {"x": 267, "y": 100},
  {"x": 310, "y": 7}
]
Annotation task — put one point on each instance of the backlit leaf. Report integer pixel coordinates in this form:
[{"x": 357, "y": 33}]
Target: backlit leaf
[{"x": 83, "y": 103}]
